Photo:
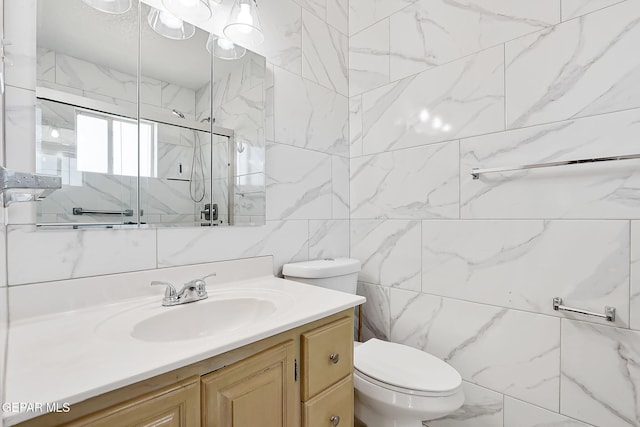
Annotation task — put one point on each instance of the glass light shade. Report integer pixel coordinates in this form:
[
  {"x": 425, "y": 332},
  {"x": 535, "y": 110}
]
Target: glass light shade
[
  {"x": 110, "y": 6},
  {"x": 169, "y": 26},
  {"x": 243, "y": 26},
  {"x": 191, "y": 10},
  {"x": 224, "y": 49}
]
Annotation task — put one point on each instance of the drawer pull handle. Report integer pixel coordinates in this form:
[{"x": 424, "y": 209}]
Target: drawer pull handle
[
  {"x": 335, "y": 358},
  {"x": 335, "y": 420}
]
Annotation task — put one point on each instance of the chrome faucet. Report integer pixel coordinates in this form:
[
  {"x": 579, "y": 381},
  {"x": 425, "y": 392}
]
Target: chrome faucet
[{"x": 194, "y": 290}]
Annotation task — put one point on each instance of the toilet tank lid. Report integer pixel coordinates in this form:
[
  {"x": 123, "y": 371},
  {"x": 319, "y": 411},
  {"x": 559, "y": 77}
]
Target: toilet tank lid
[{"x": 321, "y": 268}]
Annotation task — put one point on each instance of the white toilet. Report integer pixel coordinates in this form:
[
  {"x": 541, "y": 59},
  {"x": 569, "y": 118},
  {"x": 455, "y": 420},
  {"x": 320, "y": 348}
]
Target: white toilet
[{"x": 396, "y": 385}]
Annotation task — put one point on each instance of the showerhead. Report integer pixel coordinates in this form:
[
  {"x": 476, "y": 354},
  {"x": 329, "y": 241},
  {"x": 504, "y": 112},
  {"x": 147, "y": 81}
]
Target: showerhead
[{"x": 177, "y": 113}]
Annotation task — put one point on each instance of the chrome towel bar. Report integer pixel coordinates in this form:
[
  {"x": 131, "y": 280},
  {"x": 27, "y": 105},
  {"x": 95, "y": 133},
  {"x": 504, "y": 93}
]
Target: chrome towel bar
[
  {"x": 609, "y": 312},
  {"x": 80, "y": 211},
  {"x": 475, "y": 172}
]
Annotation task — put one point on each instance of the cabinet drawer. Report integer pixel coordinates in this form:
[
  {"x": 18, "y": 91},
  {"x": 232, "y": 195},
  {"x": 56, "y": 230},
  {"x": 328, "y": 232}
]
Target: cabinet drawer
[
  {"x": 335, "y": 402},
  {"x": 327, "y": 356}
]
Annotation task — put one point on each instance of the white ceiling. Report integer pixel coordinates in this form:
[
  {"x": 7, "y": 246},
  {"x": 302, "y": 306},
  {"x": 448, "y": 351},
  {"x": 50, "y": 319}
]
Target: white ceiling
[{"x": 73, "y": 28}]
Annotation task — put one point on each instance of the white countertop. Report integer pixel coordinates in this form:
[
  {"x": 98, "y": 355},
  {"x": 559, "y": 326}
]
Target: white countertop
[{"x": 74, "y": 355}]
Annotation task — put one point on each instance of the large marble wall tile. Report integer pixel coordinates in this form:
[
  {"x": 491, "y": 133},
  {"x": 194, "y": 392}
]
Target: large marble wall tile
[
  {"x": 165, "y": 196},
  {"x": 415, "y": 183},
  {"x": 66, "y": 254},
  {"x": 433, "y": 32},
  {"x": 203, "y": 102},
  {"x": 369, "y": 58},
  {"x": 389, "y": 252},
  {"x": 324, "y": 53},
  {"x": 269, "y": 106},
  {"x": 521, "y": 414},
  {"x": 574, "y": 8},
  {"x": 462, "y": 98},
  {"x": 298, "y": 183},
  {"x": 20, "y": 129},
  {"x": 355, "y": 126},
  {"x": 481, "y": 408},
  {"x": 524, "y": 264},
  {"x": 340, "y": 187},
  {"x": 375, "y": 312},
  {"x": 328, "y": 239},
  {"x": 282, "y": 26},
  {"x": 634, "y": 303},
  {"x": 318, "y": 7},
  {"x": 20, "y": 31},
  {"x": 507, "y": 351},
  {"x": 310, "y": 116},
  {"x": 174, "y": 161},
  {"x": 46, "y": 66},
  {"x": 363, "y": 13},
  {"x": 287, "y": 241},
  {"x": 579, "y": 68},
  {"x": 180, "y": 98},
  {"x": 603, "y": 190},
  {"x": 87, "y": 76},
  {"x": 234, "y": 84},
  {"x": 337, "y": 11},
  {"x": 97, "y": 192},
  {"x": 600, "y": 374}
]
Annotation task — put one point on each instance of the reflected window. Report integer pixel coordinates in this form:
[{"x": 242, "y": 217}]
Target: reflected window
[{"x": 109, "y": 144}]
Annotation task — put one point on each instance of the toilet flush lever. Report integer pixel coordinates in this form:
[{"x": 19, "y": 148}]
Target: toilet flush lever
[
  {"x": 335, "y": 358},
  {"x": 335, "y": 420}
]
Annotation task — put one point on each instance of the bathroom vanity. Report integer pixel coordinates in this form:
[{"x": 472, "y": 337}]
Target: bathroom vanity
[
  {"x": 287, "y": 364},
  {"x": 286, "y": 380}
]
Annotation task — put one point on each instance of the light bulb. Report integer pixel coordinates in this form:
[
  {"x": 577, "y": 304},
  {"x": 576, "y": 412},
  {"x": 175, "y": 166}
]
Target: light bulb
[
  {"x": 437, "y": 123},
  {"x": 446, "y": 128},
  {"x": 55, "y": 133},
  {"x": 424, "y": 115},
  {"x": 225, "y": 44},
  {"x": 244, "y": 17},
  {"x": 170, "y": 21}
]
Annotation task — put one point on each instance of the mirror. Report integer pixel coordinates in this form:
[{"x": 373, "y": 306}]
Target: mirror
[{"x": 143, "y": 123}]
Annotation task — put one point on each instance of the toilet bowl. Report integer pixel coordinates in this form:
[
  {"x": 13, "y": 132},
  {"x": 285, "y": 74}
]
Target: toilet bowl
[
  {"x": 395, "y": 385},
  {"x": 399, "y": 386}
]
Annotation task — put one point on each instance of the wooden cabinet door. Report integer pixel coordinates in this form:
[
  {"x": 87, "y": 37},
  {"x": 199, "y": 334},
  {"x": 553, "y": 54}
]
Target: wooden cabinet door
[
  {"x": 174, "y": 406},
  {"x": 258, "y": 391}
]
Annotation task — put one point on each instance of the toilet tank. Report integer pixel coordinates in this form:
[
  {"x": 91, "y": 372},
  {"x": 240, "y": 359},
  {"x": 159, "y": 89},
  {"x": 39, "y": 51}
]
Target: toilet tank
[{"x": 339, "y": 274}]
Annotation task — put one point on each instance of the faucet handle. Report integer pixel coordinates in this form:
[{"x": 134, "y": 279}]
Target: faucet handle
[{"x": 170, "y": 293}]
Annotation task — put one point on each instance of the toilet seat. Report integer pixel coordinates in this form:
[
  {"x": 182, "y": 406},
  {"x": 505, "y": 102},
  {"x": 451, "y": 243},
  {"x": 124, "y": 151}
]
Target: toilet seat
[
  {"x": 402, "y": 390},
  {"x": 404, "y": 369}
]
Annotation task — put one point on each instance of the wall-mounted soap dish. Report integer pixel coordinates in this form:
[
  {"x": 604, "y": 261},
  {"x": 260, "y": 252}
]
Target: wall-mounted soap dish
[{"x": 26, "y": 187}]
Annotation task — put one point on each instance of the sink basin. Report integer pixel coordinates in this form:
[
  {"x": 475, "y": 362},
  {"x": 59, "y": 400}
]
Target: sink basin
[
  {"x": 203, "y": 318},
  {"x": 220, "y": 314}
]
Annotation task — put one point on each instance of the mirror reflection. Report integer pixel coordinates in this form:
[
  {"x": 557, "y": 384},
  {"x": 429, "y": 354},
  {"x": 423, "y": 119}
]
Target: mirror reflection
[{"x": 131, "y": 117}]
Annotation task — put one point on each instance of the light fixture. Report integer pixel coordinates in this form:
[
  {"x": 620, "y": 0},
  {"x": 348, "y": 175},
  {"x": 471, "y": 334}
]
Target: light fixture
[
  {"x": 224, "y": 48},
  {"x": 191, "y": 10},
  {"x": 110, "y": 6},
  {"x": 55, "y": 133},
  {"x": 169, "y": 26},
  {"x": 243, "y": 26}
]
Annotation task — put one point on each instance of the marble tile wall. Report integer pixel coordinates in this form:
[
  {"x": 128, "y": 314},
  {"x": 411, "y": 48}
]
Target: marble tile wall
[
  {"x": 4, "y": 306},
  {"x": 467, "y": 269},
  {"x": 296, "y": 228}
]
